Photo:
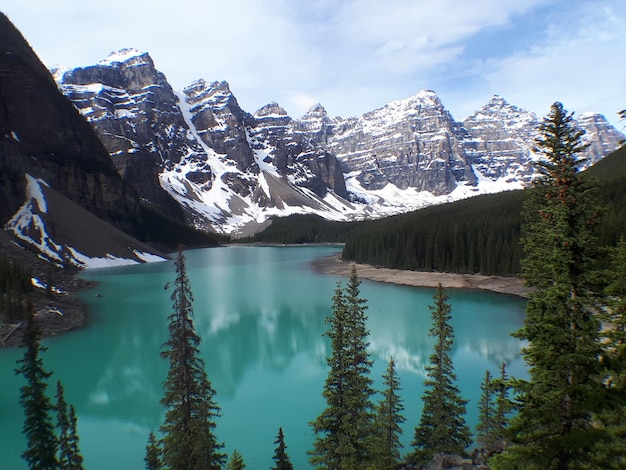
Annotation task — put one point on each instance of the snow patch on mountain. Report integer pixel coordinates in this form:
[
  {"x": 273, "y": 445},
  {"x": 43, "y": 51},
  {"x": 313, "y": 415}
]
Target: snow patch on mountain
[{"x": 30, "y": 226}]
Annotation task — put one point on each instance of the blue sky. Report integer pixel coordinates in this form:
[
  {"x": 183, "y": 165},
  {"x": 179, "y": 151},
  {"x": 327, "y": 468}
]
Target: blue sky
[{"x": 353, "y": 56}]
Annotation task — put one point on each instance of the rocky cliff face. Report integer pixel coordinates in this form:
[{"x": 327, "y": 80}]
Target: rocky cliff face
[
  {"x": 411, "y": 143},
  {"x": 231, "y": 170},
  {"x": 56, "y": 177},
  {"x": 42, "y": 134},
  {"x": 135, "y": 113}
]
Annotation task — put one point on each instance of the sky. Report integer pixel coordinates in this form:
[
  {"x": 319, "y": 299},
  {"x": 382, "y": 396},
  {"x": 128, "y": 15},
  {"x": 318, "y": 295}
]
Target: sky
[{"x": 354, "y": 56}]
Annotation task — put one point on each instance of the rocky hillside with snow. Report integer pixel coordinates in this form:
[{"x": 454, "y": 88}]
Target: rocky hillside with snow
[
  {"x": 231, "y": 171},
  {"x": 62, "y": 196}
]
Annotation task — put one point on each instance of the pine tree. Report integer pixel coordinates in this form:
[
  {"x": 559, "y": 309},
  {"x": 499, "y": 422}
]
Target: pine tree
[
  {"x": 281, "y": 458},
  {"x": 388, "y": 420},
  {"x": 236, "y": 461},
  {"x": 554, "y": 425},
  {"x": 41, "y": 440},
  {"x": 442, "y": 427},
  {"x": 344, "y": 429},
  {"x": 486, "y": 413},
  {"x": 503, "y": 407},
  {"x": 188, "y": 441},
  {"x": 69, "y": 457},
  {"x": 154, "y": 454}
]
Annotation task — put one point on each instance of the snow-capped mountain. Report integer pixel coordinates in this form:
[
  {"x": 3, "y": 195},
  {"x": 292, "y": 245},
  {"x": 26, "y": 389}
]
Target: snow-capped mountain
[
  {"x": 231, "y": 170},
  {"x": 62, "y": 197}
]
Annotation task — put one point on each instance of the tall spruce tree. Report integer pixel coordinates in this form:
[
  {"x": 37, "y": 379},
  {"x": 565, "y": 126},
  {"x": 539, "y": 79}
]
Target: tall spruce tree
[
  {"x": 38, "y": 428},
  {"x": 188, "y": 441},
  {"x": 344, "y": 429},
  {"x": 154, "y": 454},
  {"x": 442, "y": 427},
  {"x": 281, "y": 458},
  {"x": 487, "y": 415},
  {"x": 69, "y": 455},
  {"x": 388, "y": 420},
  {"x": 554, "y": 425},
  {"x": 503, "y": 406}
]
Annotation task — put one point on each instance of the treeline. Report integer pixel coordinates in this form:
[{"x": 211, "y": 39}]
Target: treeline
[
  {"x": 480, "y": 234},
  {"x": 299, "y": 229}
]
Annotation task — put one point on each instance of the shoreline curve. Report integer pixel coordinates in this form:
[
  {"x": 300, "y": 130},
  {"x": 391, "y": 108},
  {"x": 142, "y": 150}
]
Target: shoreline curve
[{"x": 334, "y": 265}]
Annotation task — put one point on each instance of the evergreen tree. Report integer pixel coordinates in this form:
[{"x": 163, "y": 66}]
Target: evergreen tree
[
  {"x": 69, "y": 457},
  {"x": 344, "y": 429},
  {"x": 188, "y": 442},
  {"x": 154, "y": 454},
  {"x": 281, "y": 458},
  {"x": 236, "y": 461},
  {"x": 442, "y": 427},
  {"x": 503, "y": 406},
  {"x": 388, "y": 420},
  {"x": 554, "y": 425},
  {"x": 41, "y": 440},
  {"x": 485, "y": 429}
]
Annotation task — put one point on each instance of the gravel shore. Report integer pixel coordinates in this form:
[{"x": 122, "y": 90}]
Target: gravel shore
[{"x": 506, "y": 285}]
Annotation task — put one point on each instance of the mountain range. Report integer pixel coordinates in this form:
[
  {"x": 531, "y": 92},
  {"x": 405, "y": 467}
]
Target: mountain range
[
  {"x": 231, "y": 171},
  {"x": 115, "y": 142}
]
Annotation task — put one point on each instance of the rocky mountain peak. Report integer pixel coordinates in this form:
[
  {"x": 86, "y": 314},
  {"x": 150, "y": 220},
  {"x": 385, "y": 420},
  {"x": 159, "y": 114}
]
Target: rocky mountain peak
[
  {"x": 129, "y": 56},
  {"x": 316, "y": 111},
  {"x": 270, "y": 110},
  {"x": 498, "y": 111},
  {"x": 600, "y": 135}
]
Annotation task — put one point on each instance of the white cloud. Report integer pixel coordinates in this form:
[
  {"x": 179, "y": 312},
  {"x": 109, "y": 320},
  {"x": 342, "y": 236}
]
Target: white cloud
[{"x": 354, "y": 55}]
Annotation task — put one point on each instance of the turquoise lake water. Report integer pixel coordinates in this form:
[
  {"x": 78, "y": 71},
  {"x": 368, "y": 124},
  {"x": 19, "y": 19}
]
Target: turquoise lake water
[{"x": 260, "y": 312}]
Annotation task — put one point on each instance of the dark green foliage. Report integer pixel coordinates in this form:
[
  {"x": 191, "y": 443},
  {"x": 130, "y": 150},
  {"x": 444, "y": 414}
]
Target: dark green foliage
[
  {"x": 281, "y": 458},
  {"x": 388, "y": 420},
  {"x": 41, "y": 442},
  {"x": 493, "y": 410},
  {"x": 344, "y": 429},
  {"x": 613, "y": 454},
  {"x": 442, "y": 427},
  {"x": 296, "y": 229},
  {"x": 154, "y": 453},
  {"x": 69, "y": 452},
  {"x": 188, "y": 439},
  {"x": 236, "y": 461},
  {"x": 611, "y": 175},
  {"x": 486, "y": 413},
  {"x": 503, "y": 405},
  {"x": 477, "y": 235},
  {"x": 157, "y": 228},
  {"x": 15, "y": 284},
  {"x": 554, "y": 426}
]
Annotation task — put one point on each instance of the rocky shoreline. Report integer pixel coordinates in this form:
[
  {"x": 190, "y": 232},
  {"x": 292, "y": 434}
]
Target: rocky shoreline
[
  {"x": 505, "y": 285},
  {"x": 56, "y": 312}
]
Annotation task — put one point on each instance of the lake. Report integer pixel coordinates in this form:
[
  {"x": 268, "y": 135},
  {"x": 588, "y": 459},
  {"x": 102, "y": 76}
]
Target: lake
[{"x": 260, "y": 312}]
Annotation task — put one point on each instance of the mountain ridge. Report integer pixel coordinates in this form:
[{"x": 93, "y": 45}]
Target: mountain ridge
[{"x": 404, "y": 155}]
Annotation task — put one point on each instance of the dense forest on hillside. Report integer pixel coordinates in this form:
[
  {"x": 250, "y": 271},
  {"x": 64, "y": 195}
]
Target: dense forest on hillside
[
  {"x": 475, "y": 235},
  {"x": 309, "y": 228},
  {"x": 480, "y": 234}
]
